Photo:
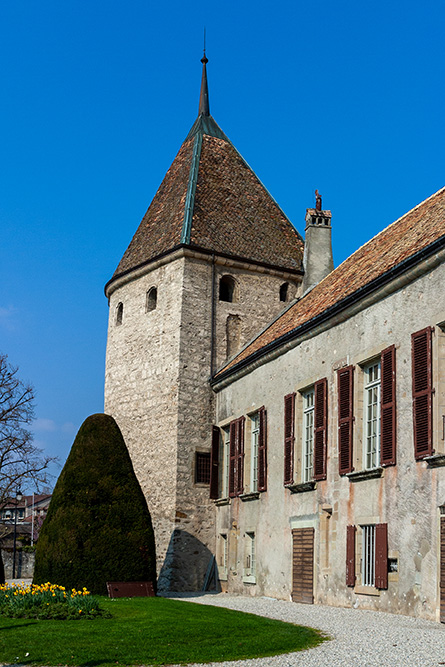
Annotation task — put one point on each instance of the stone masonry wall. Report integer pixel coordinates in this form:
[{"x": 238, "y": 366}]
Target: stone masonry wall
[
  {"x": 257, "y": 303},
  {"x": 141, "y": 389}
]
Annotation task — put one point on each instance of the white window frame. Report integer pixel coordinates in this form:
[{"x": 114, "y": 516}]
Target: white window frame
[
  {"x": 254, "y": 443},
  {"x": 371, "y": 414},
  {"x": 249, "y": 574},
  {"x": 308, "y": 434},
  {"x": 224, "y": 462},
  {"x": 223, "y": 565},
  {"x": 368, "y": 555}
]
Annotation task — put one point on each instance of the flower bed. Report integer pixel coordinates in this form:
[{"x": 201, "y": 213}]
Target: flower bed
[{"x": 48, "y": 600}]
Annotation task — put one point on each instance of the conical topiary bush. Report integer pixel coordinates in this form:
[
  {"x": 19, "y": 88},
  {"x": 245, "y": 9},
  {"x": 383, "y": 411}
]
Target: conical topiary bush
[{"x": 98, "y": 527}]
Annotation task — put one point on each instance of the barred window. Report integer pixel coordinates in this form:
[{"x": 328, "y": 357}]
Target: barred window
[
  {"x": 368, "y": 550},
  {"x": 202, "y": 468}
]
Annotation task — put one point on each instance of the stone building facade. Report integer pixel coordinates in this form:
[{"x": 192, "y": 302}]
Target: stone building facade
[
  {"x": 309, "y": 401},
  {"x": 351, "y": 383}
]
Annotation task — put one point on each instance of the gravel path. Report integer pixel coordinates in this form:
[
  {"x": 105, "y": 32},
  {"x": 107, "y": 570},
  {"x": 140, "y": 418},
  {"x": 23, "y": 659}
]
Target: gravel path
[{"x": 360, "y": 637}]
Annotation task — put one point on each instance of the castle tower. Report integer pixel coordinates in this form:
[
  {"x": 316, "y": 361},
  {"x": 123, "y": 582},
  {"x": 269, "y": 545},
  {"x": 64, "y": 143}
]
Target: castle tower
[{"x": 213, "y": 260}]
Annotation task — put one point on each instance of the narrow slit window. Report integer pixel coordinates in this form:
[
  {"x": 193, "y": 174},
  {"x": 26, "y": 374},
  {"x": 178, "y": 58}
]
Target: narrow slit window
[
  {"x": 152, "y": 299},
  {"x": 119, "y": 313},
  {"x": 284, "y": 291}
]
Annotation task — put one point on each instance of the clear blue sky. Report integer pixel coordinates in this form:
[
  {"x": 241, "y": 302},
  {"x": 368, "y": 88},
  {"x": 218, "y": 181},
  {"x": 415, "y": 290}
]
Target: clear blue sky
[{"x": 96, "y": 99}]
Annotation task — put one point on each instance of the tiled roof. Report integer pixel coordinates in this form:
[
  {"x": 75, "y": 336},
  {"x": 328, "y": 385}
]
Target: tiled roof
[
  {"x": 211, "y": 199},
  {"x": 160, "y": 229},
  {"x": 235, "y": 215},
  {"x": 404, "y": 238}
]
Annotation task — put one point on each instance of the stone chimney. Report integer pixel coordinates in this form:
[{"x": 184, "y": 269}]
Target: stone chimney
[{"x": 317, "y": 261}]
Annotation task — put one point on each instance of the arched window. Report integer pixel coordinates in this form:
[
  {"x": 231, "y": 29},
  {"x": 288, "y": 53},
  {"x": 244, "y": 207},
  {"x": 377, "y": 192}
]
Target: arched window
[
  {"x": 152, "y": 299},
  {"x": 227, "y": 289},
  {"x": 119, "y": 313},
  {"x": 284, "y": 289}
]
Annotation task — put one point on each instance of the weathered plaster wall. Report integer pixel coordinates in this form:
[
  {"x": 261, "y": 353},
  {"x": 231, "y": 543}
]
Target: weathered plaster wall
[{"x": 406, "y": 497}]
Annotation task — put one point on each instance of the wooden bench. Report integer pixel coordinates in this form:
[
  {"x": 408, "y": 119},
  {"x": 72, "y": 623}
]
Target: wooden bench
[{"x": 130, "y": 589}]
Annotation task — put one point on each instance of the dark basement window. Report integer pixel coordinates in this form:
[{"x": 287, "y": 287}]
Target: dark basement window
[{"x": 202, "y": 468}]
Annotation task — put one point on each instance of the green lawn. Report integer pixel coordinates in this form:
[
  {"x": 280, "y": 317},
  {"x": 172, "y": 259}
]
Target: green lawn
[{"x": 150, "y": 631}]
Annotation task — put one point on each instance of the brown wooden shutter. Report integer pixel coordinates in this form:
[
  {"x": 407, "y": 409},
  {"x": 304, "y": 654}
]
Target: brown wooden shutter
[
  {"x": 289, "y": 438},
  {"x": 345, "y": 418},
  {"x": 350, "y": 555},
  {"x": 214, "y": 463},
  {"x": 388, "y": 422},
  {"x": 422, "y": 392},
  {"x": 233, "y": 457},
  {"x": 262, "y": 450},
  {"x": 381, "y": 555},
  {"x": 240, "y": 465},
  {"x": 320, "y": 428}
]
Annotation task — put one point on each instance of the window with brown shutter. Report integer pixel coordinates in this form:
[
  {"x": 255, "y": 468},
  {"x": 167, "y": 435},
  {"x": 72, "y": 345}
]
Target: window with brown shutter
[
  {"x": 350, "y": 555},
  {"x": 240, "y": 465},
  {"x": 345, "y": 419},
  {"x": 381, "y": 555},
  {"x": 320, "y": 428},
  {"x": 262, "y": 450},
  {"x": 421, "y": 344},
  {"x": 236, "y": 457},
  {"x": 233, "y": 458},
  {"x": 214, "y": 463},
  {"x": 388, "y": 423},
  {"x": 289, "y": 438}
]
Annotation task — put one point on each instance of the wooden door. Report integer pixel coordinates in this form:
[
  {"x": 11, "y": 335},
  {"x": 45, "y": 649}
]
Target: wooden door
[
  {"x": 303, "y": 565},
  {"x": 442, "y": 569}
]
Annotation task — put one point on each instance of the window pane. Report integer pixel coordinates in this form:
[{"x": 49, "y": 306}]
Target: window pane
[
  {"x": 372, "y": 416},
  {"x": 255, "y": 426},
  {"x": 308, "y": 434}
]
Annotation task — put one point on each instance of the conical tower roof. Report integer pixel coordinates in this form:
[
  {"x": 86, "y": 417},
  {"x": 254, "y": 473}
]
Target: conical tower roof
[{"x": 210, "y": 199}]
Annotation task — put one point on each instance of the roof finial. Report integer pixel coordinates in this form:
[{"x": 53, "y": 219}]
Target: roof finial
[{"x": 204, "y": 107}]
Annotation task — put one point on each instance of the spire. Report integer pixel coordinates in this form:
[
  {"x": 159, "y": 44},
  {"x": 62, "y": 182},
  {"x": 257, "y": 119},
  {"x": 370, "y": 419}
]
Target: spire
[{"x": 204, "y": 108}]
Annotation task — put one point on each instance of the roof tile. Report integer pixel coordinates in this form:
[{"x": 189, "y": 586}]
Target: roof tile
[
  {"x": 411, "y": 233},
  {"x": 233, "y": 213}
]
